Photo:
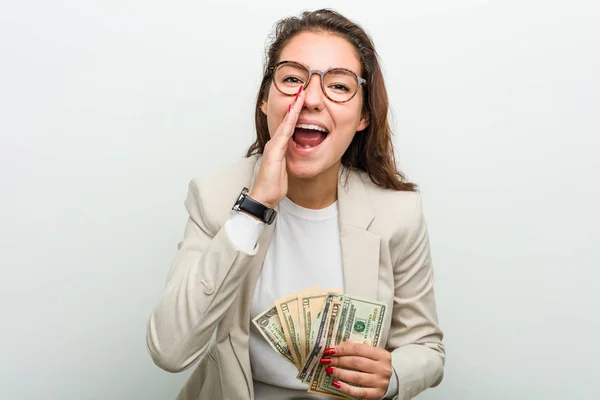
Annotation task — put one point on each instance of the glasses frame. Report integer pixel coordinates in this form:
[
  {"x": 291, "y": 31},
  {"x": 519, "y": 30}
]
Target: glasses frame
[{"x": 311, "y": 72}]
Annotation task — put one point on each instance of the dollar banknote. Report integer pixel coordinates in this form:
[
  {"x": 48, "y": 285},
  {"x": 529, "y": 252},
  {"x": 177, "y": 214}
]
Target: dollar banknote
[
  {"x": 359, "y": 321},
  {"x": 310, "y": 306},
  {"x": 299, "y": 327},
  {"x": 287, "y": 308},
  {"x": 317, "y": 347},
  {"x": 269, "y": 325},
  {"x": 319, "y": 370}
]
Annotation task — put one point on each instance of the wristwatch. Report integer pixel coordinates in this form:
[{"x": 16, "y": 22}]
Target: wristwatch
[{"x": 253, "y": 207}]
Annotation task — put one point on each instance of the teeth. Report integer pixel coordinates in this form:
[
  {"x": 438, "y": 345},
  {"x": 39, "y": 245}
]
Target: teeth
[{"x": 313, "y": 127}]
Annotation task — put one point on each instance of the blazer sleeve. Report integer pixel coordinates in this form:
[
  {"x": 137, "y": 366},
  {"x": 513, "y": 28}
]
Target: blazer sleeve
[
  {"x": 202, "y": 283},
  {"x": 418, "y": 354}
]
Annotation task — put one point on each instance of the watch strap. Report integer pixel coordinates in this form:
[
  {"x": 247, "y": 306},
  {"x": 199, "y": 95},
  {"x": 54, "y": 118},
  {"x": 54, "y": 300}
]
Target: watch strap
[{"x": 254, "y": 207}]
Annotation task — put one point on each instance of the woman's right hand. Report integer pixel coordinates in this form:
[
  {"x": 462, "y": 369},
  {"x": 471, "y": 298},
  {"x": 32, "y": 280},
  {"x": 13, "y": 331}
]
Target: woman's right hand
[{"x": 272, "y": 182}]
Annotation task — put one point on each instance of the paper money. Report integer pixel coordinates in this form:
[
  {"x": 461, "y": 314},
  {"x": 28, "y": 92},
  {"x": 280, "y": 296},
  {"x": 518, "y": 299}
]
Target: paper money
[
  {"x": 310, "y": 306},
  {"x": 287, "y": 308},
  {"x": 301, "y": 326},
  {"x": 319, "y": 370},
  {"x": 360, "y": 321},
  {"x": 310, "y": 303},
  {"x": 328, "y": 340},
  {"x": 317, "y": 348},
  {"x": 269, "y": 325}
]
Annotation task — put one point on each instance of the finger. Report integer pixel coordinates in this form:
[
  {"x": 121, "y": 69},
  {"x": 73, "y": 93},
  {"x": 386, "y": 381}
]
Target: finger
[
  {"x": 353, "y": 362},
  {"x": 289, "y": 122},
  {"x": 359, "y": 392},
  {"x": 286, "y": 129},
  {"x": 358, "y": 349},
  {"x": 298, "y": 102},
  {"x": 357, "y": 377}
]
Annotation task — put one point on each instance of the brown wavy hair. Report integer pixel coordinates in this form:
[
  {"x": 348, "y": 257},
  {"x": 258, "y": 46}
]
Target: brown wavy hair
[{"x": 371, "y": 150}]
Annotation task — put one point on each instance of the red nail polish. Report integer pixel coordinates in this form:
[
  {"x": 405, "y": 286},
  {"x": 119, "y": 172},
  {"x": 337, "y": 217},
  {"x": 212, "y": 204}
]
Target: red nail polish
[
  {"x": 325, "y": 361},
  {"x": 329, "y": 370},
  {"x": 329, "y": 351},
  {"x": 300, "y": 90},
  {"x": 289, "y": 108},
  {"x": 336, "y": 384}
]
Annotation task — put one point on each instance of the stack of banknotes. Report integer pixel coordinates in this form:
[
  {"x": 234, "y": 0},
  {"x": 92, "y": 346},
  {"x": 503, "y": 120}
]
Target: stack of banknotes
[{"x": 300, "y": 326}]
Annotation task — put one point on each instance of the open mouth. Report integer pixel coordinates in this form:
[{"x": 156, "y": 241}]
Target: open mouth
[{"x": 309, "y": 135}]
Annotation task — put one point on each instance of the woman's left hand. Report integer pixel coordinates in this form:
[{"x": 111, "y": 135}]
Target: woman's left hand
[{"x": 360, "y": 364}]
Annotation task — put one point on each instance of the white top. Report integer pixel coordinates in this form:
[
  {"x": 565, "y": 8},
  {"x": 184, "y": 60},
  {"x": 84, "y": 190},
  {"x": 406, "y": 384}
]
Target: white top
[{"x": 304, "y": 251}]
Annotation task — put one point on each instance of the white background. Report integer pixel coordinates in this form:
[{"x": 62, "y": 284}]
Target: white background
[{"x": 109, "y": 108}]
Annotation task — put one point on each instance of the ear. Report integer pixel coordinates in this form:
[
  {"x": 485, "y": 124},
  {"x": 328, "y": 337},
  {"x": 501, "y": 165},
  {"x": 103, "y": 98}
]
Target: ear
[
  {"x": 263, "y": 106},
  {"x": 363, "y": 123}
]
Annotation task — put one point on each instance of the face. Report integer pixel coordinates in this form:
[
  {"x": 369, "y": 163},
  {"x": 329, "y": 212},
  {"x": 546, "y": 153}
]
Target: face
[{"x": 319, "y": 51}]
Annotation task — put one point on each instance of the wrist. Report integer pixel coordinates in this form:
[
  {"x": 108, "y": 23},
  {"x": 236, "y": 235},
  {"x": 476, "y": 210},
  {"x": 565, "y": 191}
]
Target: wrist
[{"x": 254, "y": 207}]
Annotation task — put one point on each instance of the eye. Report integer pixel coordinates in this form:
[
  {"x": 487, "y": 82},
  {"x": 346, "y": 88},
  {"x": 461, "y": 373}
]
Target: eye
[
  {"x": 292, "y": 79},
  {"x": 339, "y": 87}
]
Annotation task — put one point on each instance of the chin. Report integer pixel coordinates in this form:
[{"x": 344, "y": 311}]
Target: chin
[{"x": 304, "y": 170}]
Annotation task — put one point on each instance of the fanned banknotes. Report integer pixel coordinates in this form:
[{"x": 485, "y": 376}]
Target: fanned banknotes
[{"x": 300, "y": 326}]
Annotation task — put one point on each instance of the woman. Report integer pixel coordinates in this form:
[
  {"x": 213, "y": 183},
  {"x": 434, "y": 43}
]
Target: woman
[{"x": 326, "y": 206}]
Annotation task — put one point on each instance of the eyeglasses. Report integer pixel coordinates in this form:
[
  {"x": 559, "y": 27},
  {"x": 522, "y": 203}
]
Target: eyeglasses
[{"x": 339, "y": 84}]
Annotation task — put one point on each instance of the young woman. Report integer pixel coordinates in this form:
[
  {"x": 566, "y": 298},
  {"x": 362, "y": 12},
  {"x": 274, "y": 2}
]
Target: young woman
[{"x": 318, "y": 201}]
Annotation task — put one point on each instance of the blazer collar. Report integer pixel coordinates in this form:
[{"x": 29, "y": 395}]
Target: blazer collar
[
  {"x": 360, "y": 248},
  {"x": 353, "y": 203}
]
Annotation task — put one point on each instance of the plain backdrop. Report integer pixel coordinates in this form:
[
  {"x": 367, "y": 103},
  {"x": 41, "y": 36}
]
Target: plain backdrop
[{"x": 109, "y": 108}]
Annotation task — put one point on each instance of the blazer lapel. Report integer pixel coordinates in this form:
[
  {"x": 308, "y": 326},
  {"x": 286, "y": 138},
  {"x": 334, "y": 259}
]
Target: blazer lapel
[{"x": 360, "y": 248}]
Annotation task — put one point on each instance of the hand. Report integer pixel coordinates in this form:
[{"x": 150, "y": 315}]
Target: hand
[
  {"x": 360, "y": 364},
  {"x": 272, "y": 182}
]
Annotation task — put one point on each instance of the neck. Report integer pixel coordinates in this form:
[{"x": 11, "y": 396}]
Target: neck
[{"x": 317, "y": 192}]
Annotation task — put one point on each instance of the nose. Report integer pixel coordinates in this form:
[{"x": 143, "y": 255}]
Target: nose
[{"x": 314, "y": 97}]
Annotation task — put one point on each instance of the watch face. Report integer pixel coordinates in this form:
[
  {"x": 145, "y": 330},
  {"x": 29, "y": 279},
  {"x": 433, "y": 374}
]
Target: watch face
[{"x": 269, "y": 215}]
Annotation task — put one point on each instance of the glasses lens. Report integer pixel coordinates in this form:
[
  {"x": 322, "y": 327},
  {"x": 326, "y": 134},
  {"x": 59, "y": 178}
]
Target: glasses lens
[
  {"x": 340, "y": 85},
  {"x": 289, "y": 77}
]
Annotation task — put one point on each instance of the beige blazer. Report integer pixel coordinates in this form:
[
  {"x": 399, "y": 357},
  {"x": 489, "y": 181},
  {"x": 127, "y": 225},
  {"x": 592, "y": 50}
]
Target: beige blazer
[{"x": 204, "y": 312}]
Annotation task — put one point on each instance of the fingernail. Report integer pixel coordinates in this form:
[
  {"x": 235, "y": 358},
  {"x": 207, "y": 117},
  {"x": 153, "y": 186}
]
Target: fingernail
[
  {"x": 289, "y": 108},
  {"x": 336, "y": 384},
  {"x": 325, "y": 361},
  {"x": 329, "y": 351},
  {"x": 329, "y": 370},
  {"x": 300, "y": 90}
]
